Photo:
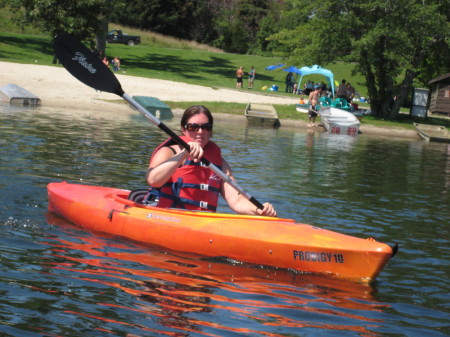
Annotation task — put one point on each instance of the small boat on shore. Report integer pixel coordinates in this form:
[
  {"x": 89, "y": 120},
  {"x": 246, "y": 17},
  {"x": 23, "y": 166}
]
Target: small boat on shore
[
  {"x": 13, "y": 94},
  {"x": 434, "y": 133},
  {"x": 262, "y": 114},
  {"x": 156, "y": 107},
  {"x": 257, "y": 240},
  {"x": 339, "y": 121},
  {"x": 302, "y": 107}
]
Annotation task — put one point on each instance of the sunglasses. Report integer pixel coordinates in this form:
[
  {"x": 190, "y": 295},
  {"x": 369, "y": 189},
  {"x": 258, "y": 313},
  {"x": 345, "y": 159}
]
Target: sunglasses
[{"x": 194, "y": 127}]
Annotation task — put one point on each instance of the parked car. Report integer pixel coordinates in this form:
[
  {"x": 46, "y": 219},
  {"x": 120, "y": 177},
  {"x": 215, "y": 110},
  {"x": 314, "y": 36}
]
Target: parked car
[{"x": 116, "y": 36}]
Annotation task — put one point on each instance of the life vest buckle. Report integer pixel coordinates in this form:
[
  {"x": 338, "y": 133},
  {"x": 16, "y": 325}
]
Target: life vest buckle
[
  {"x": 204, "y": 204},
  {"x": 204, "y": 187}
]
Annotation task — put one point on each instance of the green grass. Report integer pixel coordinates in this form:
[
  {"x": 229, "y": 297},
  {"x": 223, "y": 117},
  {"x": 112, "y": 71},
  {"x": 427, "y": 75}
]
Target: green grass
[
  {"x": 163, "y": 41},
  {"x": 406, "y": 121}
]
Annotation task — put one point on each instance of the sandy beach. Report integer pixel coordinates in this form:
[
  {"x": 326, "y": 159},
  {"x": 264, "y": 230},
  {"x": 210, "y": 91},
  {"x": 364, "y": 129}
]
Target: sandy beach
[{"x": 55, "y": 86}]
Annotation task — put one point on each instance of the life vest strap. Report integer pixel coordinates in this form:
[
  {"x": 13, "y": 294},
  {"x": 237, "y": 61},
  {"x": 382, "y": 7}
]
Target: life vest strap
[
  {"x": 181, "y": 202},
  {"x": 203, "y": 187}
]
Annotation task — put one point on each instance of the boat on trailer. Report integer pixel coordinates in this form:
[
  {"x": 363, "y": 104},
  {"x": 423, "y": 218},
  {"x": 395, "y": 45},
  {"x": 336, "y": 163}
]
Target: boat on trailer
[
  {"x": 256, "y": 240},
  {"x": 434, "y": 133}
]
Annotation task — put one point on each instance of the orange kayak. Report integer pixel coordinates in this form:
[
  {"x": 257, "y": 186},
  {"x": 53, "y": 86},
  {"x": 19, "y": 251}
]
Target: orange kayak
[{"x": 260, "y": 240}]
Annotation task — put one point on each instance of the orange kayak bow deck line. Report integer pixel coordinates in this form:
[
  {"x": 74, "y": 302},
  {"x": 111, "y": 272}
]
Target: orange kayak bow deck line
[{"x": 260, "y": 240}]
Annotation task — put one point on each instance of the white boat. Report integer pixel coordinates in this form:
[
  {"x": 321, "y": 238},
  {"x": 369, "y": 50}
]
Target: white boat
[{"x": 339, "y": 121}]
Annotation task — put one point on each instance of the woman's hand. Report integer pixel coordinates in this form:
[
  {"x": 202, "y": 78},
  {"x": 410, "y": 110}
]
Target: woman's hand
[
  {"x": 196, "y": 152},
  {"x": 268, "y": 210}
]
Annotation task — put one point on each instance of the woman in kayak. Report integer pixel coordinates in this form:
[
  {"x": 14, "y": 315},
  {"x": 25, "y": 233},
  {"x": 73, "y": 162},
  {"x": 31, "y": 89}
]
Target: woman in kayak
[{"x": 182, "y": 180}]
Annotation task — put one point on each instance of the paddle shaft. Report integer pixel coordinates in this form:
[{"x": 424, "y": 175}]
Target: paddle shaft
[{"x": 185, "y": 145}]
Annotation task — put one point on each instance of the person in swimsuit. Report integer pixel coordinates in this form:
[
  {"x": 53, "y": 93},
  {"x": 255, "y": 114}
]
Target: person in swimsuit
[
  {"x": 314, "y": 102},
  {"x": 239, "y": 77}
]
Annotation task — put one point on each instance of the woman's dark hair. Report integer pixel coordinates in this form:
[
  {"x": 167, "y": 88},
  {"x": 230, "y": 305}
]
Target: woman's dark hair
[{"x": 195, "y": 110}]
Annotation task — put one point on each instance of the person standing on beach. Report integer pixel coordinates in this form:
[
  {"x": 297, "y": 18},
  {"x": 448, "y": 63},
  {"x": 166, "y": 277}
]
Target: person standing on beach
[
  {"x": 239, "y": 77},
  {"x": 251, "y": 77},
  {"x": 289, "y": 82}
]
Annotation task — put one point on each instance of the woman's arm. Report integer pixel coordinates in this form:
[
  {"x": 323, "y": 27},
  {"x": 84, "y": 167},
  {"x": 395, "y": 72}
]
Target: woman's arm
[{"x": 164, "y": 163}]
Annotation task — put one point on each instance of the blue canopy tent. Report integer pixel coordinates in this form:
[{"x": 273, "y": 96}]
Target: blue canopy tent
[
  {"x": 272, "y": 67},
  {"x": 315, "y": 69},
  {"x": 293, "y": 69}
]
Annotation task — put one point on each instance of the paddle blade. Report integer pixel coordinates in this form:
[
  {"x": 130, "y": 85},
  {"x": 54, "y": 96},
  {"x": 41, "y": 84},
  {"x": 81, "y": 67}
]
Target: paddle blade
[{"x": 85, "y": 65}]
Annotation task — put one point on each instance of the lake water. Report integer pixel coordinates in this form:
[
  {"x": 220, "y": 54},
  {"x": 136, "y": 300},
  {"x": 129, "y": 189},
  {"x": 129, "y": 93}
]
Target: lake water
[{"x": 59, "y": 280}]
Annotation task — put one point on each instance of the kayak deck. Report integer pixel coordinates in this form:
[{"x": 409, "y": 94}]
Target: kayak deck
[{"x": 276, "y": 242}]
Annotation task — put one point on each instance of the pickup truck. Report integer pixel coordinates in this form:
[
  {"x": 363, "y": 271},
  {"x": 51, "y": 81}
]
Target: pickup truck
[{"x": 116, "y": 36}]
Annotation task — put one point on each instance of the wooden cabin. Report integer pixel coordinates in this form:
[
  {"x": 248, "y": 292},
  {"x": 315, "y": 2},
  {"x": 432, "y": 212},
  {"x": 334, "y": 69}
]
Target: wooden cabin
[{"x": 440, "y": 95}]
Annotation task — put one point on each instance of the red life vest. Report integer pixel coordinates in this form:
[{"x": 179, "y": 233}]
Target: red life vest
[{"x": 193, "y": 186}]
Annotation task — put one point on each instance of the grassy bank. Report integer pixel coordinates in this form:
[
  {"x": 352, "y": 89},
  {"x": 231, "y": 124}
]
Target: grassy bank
[{"x": 288, "y": 112}]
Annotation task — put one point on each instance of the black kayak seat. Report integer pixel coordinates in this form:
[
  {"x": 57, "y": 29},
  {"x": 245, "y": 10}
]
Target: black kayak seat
[{"x": 145, "y": 196}]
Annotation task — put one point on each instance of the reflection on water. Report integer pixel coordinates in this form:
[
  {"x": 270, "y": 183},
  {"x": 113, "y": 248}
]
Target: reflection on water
[
  {"x": 58, "y": 280},
  {"x": 176, "y": 289}
]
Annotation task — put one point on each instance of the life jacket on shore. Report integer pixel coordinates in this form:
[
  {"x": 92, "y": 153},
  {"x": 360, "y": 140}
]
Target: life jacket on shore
[{"x": 193, "y": 186}]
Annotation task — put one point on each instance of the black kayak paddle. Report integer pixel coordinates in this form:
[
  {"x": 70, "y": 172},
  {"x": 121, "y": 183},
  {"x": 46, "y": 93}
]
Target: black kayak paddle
[{"x": 89, "y": 69}]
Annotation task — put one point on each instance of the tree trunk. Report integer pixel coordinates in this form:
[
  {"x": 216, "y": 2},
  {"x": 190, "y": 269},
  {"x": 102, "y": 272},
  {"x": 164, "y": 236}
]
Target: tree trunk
[
  {"x": 406, "y": 85},
  {"x": 101, "y": 37},
  {"x": 402, "y": 93},
  {"x": 370, "y": 82}
]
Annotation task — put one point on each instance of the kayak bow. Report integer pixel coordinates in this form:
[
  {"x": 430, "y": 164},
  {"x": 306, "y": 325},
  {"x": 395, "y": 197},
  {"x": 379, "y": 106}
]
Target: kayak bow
[{"x": 260, "y": 240}]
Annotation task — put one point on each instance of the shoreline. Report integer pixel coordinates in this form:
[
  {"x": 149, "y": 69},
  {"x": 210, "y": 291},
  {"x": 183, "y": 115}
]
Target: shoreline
[{"x": 56, "y": 87}]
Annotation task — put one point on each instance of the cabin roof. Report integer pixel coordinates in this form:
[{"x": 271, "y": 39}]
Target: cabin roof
[{"x": 439, "y": 78}]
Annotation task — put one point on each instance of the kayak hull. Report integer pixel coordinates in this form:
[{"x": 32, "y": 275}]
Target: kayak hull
[{"x": 268, "y": 241}]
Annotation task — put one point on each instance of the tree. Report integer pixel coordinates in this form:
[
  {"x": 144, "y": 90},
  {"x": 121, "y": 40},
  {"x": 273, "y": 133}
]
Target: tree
[
  {"x": 237, "y": 23},
  {"x": 395, "y": 44},
  {"x": 190, "y": 20},
  {"x": 85, "y": 19},
  {"x": 233, "y": 25}
]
